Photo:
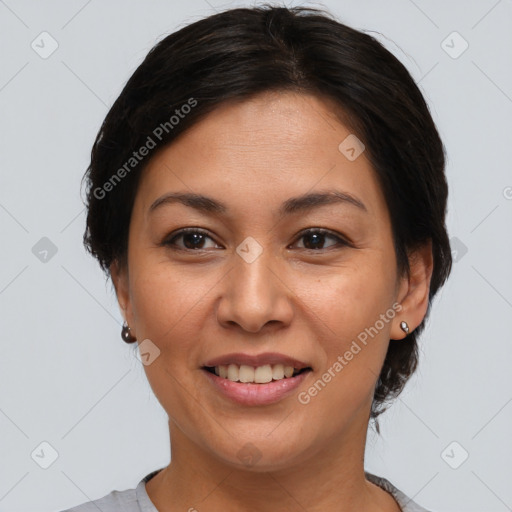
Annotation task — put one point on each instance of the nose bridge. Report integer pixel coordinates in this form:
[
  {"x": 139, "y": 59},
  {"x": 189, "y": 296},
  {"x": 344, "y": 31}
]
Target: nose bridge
[
  {"x": 255, "y": 278},
  {"x": 254, "y": 295}
]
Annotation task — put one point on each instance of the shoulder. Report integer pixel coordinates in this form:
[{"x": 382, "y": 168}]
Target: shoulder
[
  {"x": 129, "y": 500},
  {"x": 125, "y": 501},
  {"x": 405, "y": 503},
  {"x": 116, "y": 501}
]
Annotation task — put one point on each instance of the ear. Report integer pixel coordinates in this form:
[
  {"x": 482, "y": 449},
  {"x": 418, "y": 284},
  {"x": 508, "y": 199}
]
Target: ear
[
  {"x": 413, "y": 291},
  {"x": 120, "y": 279}
]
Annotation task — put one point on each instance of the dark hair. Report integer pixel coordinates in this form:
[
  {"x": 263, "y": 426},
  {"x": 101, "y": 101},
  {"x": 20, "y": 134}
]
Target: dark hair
[{"x": 239, "y": 53}]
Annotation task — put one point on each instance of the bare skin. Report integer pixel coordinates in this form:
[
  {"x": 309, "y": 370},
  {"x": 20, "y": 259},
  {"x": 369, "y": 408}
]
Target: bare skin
[{"x": 304, "y": 297}]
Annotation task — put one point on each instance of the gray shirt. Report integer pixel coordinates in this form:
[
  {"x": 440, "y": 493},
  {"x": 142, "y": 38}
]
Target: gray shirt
[{"x": 137, "y": 500}]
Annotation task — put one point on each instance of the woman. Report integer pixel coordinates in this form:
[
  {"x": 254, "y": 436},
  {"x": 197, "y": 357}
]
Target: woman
[{"x": 268, "y": 196}]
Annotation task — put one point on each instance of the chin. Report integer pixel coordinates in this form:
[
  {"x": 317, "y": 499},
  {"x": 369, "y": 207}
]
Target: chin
[{"x": 260, "y": 453}]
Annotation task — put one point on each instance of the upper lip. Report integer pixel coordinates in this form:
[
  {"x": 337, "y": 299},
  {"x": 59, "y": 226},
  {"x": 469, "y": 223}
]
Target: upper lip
[{"x": 257, "y": 360}]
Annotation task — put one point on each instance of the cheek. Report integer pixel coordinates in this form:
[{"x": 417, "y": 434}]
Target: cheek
[
  {"x": 350, "y": 300},
  {"x": 171, "y": 307},
  {"x": 164, "y": 299},
  {"x": 351, "y": 303},
  {"x": 354, "y": 344},
  {"x": 166, "y": 307}
]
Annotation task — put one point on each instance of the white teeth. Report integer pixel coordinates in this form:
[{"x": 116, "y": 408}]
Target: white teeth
[
  {"x": 233, "y": 372},
  {"x": 278, "y": 371},
  {"x": 259, "y": 375},
  {"x": 246, "y": 373},
  {"x": 263, "y": 374}
]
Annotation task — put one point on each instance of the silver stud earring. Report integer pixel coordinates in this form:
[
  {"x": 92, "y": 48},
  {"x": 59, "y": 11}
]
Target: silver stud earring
[{"x": 404, "y": 327}]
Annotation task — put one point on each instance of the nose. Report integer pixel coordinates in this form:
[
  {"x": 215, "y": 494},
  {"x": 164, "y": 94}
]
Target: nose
[{"x": 255, "y": 296}]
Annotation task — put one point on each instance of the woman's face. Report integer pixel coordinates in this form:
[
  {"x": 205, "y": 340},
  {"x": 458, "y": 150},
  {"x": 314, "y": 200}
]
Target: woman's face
[{"x": 249, "y": 282}]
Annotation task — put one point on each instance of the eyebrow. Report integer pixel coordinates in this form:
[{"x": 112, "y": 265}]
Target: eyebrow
[{"x": 303, "y": 203}]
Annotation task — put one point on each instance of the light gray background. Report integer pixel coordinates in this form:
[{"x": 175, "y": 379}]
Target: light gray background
[{"x": 66, "y": 377}]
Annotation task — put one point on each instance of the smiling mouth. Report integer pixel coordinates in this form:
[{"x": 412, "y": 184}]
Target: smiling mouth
[{"x": 255, "y": 375}]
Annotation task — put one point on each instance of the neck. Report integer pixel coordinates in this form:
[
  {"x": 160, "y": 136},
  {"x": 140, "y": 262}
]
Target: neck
[{"x": 329, "y": 480}]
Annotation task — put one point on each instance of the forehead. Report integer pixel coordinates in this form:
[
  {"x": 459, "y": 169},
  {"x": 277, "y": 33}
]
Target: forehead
[{"x": 264, "y": 149}]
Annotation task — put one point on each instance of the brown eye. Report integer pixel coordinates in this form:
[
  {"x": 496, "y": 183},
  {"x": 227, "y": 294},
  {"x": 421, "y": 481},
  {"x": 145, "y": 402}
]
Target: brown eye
[
  {"x": 315, "y": 239},
  {"x": 192, "y": 239}
]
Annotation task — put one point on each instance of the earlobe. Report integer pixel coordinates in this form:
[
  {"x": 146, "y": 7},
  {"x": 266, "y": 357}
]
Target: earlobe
[{"x": 414, "y": 291}]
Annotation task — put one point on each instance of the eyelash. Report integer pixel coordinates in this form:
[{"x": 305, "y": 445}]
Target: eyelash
[{"x": 169, "y": 242}]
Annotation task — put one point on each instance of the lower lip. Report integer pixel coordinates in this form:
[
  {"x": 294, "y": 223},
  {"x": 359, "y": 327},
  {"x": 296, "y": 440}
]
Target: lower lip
[{"x": 246, "y": 393}]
